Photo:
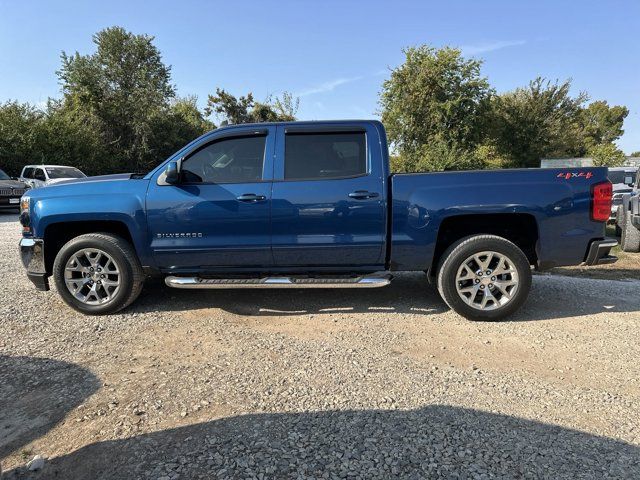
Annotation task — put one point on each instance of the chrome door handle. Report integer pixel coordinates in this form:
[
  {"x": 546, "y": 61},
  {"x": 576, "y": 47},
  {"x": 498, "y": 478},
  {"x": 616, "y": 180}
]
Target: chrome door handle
[
  {"x": 251, "y": 197},
  {"x": 363, "y": 195}
]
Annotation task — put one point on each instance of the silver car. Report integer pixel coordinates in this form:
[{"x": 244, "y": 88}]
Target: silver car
[{"x": 41, "y": 175}]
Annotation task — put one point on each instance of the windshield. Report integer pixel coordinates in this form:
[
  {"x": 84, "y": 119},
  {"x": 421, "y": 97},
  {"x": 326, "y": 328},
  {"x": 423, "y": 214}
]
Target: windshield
[
  {"x": 620, "y": 176},
  {"x": 4, "y": 176},
  {"x": 64, "y": 172}
]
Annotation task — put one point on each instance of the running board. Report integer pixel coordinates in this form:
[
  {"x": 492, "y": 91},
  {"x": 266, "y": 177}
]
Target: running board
[{"x": 372, "y": 281}]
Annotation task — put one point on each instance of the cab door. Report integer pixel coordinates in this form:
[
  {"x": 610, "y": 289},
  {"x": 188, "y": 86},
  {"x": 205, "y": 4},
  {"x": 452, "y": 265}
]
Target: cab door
[
  {"x": 329, "y": 199},
  {"x": 218, "y": 216}
]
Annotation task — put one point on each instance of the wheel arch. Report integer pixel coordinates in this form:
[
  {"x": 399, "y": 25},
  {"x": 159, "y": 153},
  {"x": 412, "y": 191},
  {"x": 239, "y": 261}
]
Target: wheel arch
[
  {"x": 519, "y": 228},
  {"x": 59, "y": 233}
]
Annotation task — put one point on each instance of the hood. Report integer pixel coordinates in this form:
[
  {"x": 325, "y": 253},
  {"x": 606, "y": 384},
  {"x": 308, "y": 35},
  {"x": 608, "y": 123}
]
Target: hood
[
  {"x": 119, "y": 184},
  {"x": 12, "y": 184},
  {"x": 99, "y": 178}
]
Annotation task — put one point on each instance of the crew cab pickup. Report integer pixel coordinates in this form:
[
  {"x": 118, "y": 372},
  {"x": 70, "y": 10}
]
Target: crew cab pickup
[{"x": 311, "y": 204}]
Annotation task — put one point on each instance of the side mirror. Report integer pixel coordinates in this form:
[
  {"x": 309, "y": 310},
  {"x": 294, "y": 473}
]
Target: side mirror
[{"x": 172, "y": 173}]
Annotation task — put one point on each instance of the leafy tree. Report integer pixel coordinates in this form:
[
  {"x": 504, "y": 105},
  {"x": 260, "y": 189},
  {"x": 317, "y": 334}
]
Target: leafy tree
[
  {"x": 177, "y": 125},
  {"x": 635, "y": 154},
  {"x": 435, "y": 102},
  {"x": 602, "y": 123},
  {"x": 606, "y": 155},
  {"x": 20, "y": 135},
  {"x": 72, "y": 136},
  {"x": 126, "y": 86},
  {"x": 236, "y": 110},
  {"x": 540, "y": 120}
]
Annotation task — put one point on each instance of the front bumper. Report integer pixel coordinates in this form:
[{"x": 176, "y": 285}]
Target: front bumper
[
  {"x": 32, "y": 255},
  {"x": 10, "y": 202},
  {"x": 599, "y": 252}
]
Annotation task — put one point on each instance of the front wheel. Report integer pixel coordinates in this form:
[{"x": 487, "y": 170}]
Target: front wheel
[
  {"x": 484, "y": 277},
  {"x": 98, "y": 273}
]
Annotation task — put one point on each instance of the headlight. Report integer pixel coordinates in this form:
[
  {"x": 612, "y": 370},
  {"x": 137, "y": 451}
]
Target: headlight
[
  {"x": 25, "y": 219},
  {"x": 25, "y": 202}
]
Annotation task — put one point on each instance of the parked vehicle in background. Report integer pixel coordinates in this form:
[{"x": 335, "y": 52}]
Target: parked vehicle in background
[
  {"x": 628, "y": 222},
  {"x": 624, "y": 180},
  {"x": 10, "y": 191},
  {"x": 41, "y": 175},
  {"x": 312, "y": 205}
]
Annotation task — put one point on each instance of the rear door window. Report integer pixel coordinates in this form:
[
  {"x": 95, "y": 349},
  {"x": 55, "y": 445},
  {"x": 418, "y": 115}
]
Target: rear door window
[{"x": 318, "y": 156}]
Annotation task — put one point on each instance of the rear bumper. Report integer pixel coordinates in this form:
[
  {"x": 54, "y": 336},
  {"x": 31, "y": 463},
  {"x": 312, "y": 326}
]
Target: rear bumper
[
  {"x": 598, "y": 253},
  {"x": 32, "y": 255}
]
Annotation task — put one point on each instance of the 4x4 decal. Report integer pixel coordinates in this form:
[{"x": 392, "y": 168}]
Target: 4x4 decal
[{"x": 570, "y": 175}]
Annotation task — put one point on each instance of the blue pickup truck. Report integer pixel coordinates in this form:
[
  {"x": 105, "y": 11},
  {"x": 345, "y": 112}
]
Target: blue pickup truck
[{"x": 311, "y": 205}]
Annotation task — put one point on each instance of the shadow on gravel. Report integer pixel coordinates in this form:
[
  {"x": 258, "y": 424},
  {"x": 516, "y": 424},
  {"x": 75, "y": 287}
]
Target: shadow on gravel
[
  {"x": 408, "y": 293},
  {"x": 551, "y": 298},
  {"x": 36, "y": 394},
  {"x": 437, "y": 441}
]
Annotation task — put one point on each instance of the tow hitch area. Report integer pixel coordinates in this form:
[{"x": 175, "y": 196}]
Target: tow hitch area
[{"x": 599, "y": 252}]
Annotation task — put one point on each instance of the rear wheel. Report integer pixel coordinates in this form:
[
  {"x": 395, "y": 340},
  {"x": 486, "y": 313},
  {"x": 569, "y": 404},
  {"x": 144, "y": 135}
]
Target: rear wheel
[
  {"x": 484, "y": 277},
  {"x": 98, "y": 273}
]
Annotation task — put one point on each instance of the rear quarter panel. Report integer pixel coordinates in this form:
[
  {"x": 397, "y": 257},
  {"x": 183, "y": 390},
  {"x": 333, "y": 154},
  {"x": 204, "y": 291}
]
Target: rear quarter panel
[{"x": 558, "y": 199}]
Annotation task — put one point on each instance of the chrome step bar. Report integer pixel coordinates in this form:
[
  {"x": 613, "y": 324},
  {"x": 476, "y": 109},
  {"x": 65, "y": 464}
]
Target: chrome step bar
[{"x": 367, "y": 281}]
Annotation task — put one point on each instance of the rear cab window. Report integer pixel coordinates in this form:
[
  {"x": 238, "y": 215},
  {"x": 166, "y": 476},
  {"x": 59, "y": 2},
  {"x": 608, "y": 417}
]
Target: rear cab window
[{"x": 325, "y": 155}]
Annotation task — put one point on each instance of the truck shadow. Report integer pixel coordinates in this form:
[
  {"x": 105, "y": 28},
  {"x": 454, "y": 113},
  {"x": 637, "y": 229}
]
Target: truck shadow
[
  {"x": 552, "y": 297},
  {"x": 434, "y": 441},
  {"x": 36, "y": 394},
  {"x": 408, "y": 293}
]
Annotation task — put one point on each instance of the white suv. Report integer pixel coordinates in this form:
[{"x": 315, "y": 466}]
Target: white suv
[{"x": 40, "y": 175}]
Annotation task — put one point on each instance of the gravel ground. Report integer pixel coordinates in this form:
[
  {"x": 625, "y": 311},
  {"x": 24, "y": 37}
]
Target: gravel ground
[{"x": 319, "y": 384}]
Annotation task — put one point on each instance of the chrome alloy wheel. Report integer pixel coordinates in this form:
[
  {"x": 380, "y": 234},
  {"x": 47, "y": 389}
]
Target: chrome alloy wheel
[
  {"x": 92, "y": 276},
  {"x": 487, "y": 280}
]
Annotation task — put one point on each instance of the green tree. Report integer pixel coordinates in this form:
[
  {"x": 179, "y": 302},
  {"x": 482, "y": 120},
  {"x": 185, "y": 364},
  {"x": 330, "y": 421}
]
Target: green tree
[
  {"x": 635, "y": 154},
  {"x": 72, "y": 136},
  {"x": 606, "y": 155},
  {"x": 20, "y": 136},
  {"x": 126, "y": 86},
  {"x": 435, "y": 102},
  {"x": 245, "y": 109},
  {"x": 602, "y": 123},
  {"x": 540, "y": 120}
]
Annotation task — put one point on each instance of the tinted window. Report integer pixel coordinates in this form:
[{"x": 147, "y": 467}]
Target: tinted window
[
  {"x": 231, "y": 160},
  {"x": 28, "y": 173},
  {"x": 324, "y": 155},
  {"x": 4, "y": 176},
  {"x": 64, "y": 172},
  {"x": 38, "y": 174},
  {"x": 620, "y": 176}
]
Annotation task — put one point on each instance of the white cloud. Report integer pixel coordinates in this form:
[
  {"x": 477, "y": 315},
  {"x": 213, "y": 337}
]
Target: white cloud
[
  {"x": 490, "y": 46},
  {"x": 326, "y": 86}
]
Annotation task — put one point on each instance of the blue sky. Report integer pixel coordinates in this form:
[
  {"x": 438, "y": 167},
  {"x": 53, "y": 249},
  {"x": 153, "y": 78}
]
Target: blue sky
[{"x": 335, "y": 54}]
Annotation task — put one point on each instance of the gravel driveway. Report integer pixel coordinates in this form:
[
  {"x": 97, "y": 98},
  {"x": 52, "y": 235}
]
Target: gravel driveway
[{"x": 319, "y": 384}]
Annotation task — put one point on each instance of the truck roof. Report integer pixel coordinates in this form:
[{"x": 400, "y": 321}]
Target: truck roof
[{"x": 300, "y": 122}]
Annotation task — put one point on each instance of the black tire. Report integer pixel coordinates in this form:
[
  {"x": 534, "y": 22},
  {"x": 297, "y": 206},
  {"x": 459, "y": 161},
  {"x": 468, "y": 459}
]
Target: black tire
[
  {"x": 455, "y": 256},
  {"x": 630, "y": 238},
  {"x": 620, "y": 217},
  {"x": 131, "y": 279}
]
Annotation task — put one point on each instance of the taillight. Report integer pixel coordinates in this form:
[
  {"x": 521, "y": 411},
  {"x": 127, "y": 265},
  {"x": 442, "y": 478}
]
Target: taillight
[{"x": 601, "y": 195}]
